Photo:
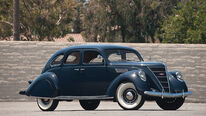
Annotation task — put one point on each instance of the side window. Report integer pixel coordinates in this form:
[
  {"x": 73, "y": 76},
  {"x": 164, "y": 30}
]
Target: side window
[
  {"x": 132, "y": 57},
  {"x": 58, "y": 60},
  {"x": 122, "y": 56},
  {"x": 73, "y": 58},
  {"x": 114, "y": 57},
  {"x": 92, "y": 57}
]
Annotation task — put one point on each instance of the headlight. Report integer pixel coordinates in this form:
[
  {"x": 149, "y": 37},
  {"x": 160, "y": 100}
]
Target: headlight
[
  {"x": 142, "y": 75},
  {"x": 179, "y": 75}
]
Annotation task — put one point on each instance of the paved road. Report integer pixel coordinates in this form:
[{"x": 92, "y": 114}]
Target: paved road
[{"x": 105, "y": 109}]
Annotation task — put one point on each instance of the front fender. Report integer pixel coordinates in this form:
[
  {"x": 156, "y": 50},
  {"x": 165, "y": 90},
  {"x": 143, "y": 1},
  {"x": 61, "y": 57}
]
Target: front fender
[
  {"x": 130, "y": 76},
  {"x": 45, "y": 85},
  {"x": 176, "y": 85}
]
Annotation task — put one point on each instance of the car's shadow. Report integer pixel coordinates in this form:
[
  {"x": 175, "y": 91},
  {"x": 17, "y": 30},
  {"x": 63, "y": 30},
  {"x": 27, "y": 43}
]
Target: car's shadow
[{"x": 119, "y": 110}]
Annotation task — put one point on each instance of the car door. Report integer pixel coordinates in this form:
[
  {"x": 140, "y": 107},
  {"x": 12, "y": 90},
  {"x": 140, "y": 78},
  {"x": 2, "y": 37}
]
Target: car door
[
  {"x": 95, "y": 79},
  {"x": 70, "y": 74}
]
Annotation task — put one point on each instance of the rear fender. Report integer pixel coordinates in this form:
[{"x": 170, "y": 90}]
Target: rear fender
[
  {"x": 131, "y": 76},
  {"x": 45, "y": 85}
]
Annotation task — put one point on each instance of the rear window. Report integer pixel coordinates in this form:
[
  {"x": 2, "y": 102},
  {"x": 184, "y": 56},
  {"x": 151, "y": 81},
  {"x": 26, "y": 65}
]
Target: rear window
[{"x": 57, "y": 60}]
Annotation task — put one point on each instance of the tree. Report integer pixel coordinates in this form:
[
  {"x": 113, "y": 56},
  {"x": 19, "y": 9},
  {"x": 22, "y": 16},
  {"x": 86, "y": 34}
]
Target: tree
[
  {"x": 16, "y": 24},
  {"x": 154, "y": 14},
  {"x": 39, "y": 19},
  {"x": 77, "y": 21},
  {"x": 45, "y": 19},
  {"x": 187, "y": 24},
  {"x": 96, "y": 22},
  {"x": 6, "y": 24},
  {"x": 130, "y": 20}
]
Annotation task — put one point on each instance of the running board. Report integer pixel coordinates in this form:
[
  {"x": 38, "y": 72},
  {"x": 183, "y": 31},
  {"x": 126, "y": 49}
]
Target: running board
[{"x": 102, "y": 97}]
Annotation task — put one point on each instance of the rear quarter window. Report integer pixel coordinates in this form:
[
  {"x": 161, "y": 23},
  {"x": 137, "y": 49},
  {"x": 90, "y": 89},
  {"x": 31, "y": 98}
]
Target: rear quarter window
[{"x": 57, "y": 60}]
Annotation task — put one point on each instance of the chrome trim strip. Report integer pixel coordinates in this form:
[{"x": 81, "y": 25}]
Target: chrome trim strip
[
  {"x": 167, "y": 95},
  {"x": 102, "y": 97},
  {"x": 167, "y": 77}
]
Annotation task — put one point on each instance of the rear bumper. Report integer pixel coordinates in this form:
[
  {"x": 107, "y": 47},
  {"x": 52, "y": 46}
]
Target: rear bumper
[{"x": 167, "y": 95}]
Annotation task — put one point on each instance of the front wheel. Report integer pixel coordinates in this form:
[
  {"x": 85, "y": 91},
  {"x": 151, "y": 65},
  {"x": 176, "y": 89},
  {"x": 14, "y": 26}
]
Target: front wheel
[
  {"x": 128, "y": 97},
  {"x": 47, "y": 104},
  {"x": 89, "y": 104},
  {"x": 170, "y": 103}
]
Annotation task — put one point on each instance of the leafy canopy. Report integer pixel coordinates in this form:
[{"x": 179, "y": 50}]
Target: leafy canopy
[
  {"x": 187, "y": 24},
  {"x": 45, "y": 19}
]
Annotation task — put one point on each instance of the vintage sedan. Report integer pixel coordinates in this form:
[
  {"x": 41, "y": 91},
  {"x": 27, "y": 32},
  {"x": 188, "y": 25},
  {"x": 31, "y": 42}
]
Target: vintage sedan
[{"x": 90, "y": 73}]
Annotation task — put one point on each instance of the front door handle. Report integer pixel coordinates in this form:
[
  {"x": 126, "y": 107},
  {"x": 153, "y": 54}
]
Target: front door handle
[{"x": 76, "y": 69}]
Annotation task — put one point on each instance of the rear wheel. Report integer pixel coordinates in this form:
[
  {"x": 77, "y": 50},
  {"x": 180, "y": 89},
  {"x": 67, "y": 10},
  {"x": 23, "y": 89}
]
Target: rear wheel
[
  {"x": 128, "y": 98},
  {"x": 89, "y": 104},
  {"x": 47, "y": 104},
  {"x": 170, "y": 103}
]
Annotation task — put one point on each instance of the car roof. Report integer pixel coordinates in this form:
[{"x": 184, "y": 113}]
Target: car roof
[{"x": 100, "y": 47}]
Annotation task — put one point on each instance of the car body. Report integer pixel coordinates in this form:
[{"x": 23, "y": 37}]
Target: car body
[{"x": 90, "y": 73}]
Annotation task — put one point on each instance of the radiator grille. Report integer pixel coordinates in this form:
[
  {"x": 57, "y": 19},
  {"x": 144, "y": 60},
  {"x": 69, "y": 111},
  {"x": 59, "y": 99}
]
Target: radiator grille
[{"x": 162, "y": 77}]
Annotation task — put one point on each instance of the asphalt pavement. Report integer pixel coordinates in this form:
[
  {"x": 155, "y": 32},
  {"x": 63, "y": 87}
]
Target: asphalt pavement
[{"x": 105, "y": 108}]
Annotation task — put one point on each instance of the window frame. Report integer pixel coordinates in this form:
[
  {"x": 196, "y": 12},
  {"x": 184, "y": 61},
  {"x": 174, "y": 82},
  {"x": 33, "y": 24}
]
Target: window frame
[
  {"x": 55, "y": 65},
  {"x": 135, "y": 52},
  {"x": 93, "y": 64},
  {"x": 64, "y": 62}
]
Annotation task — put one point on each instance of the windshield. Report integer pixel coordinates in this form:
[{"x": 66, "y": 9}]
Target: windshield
[{"x": 122, "y": 56}]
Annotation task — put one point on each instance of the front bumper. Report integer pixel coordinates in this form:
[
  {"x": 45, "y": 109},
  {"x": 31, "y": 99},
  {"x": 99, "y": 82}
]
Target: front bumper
[{"x": 167, "y": 95}]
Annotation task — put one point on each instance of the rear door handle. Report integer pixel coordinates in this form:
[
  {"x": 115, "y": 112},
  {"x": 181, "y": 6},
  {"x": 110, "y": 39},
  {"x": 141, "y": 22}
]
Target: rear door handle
[{"x": 82, "y": 69}]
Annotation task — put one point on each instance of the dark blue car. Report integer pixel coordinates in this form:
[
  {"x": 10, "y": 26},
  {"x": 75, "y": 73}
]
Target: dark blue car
[{"x": 90, "y": 73}]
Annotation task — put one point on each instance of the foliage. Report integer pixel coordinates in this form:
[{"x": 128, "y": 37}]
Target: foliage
[
  {"x": 39, "y": 19},
  {"x": 5, "y": 18},
  {"x": 77, "y": 19},
  {"x": 187, "y": 24},
  {"x": 95, "y": 20},
  {"x": 171, "y": 21},
  {"x": 70, "y": 39},
  {"x": 45, "y": 19},
  {"x": 132, "y": 20}
]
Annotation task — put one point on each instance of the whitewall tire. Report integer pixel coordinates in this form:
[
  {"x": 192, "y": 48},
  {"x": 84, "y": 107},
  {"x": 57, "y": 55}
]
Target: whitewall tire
[
  {"x": 47, "y": 104},
  {"x": 128, "y": 97}
]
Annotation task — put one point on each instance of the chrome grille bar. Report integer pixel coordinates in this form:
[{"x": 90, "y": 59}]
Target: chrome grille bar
[{"x": 160, "y": 73}]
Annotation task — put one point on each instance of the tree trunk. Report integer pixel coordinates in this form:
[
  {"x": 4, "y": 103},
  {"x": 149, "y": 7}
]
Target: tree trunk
[
  {"x": 123, "y": 33},
  {"x": 16, "y": 20}
]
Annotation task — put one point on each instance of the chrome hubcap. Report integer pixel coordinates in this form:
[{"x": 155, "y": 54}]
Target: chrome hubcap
[
  {"x": 129, "y": 95},
  {"x": 46, "y": 101}
]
